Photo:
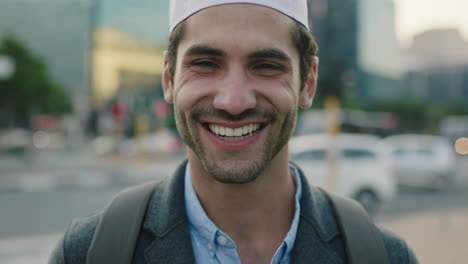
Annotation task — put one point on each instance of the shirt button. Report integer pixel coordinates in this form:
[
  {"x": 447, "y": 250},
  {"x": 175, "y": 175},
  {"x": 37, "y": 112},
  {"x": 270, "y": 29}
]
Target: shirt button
[
  {"x": 210, "y": 246},
  {"x": 222, "y": 240}
]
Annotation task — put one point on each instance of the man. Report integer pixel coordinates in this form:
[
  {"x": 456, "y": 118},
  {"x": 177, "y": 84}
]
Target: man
[{"x": 236, "y": 74}]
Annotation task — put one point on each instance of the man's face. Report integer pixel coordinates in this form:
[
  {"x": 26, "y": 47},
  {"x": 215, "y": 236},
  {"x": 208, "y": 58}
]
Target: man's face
[{"x": 236, "y": 89}]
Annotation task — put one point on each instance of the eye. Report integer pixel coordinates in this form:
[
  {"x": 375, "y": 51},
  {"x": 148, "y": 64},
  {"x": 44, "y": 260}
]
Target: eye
[
  {"x": 204, "y": 66},
  {"x": 205, "y": 63},
  {"x": 268, "y": 68}
]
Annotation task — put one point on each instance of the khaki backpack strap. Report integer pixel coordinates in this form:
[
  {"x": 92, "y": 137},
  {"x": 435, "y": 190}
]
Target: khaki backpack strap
[
  {"x": 119, "y": 226},
  {"x": 362, "y": 239}
]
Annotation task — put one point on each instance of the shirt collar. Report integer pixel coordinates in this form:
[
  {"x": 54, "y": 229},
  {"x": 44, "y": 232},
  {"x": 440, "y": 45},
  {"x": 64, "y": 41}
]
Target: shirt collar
[
  {"x": 201, "y": 224},
  {"x": 291, "y": 235},
  {"x": 196, "y": 215}
]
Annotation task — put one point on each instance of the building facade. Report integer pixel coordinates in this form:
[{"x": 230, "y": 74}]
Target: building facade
[
  {"x": 359, "y": 54},
  {"x": 437, "y": 67}
]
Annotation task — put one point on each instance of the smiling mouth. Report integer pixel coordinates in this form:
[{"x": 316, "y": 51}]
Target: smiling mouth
[{"x": 234, "y": 134}]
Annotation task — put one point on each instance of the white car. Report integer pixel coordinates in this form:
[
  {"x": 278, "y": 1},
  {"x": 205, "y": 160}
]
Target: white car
[
  {"x": 356, "y": 159},
  {"x": 421, "y": 160}
]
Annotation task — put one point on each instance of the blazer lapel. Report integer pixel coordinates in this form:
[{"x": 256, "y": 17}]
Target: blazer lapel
[
  {"x": 167, "y": 221},
  {"x": 316, "y": 239}
]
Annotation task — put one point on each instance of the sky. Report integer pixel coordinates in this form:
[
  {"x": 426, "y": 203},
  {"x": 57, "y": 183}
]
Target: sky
[
  {"x": 412, "y": 17},
  {"x": 146, "y": 18},
  {"x": 415, "y": 16}
]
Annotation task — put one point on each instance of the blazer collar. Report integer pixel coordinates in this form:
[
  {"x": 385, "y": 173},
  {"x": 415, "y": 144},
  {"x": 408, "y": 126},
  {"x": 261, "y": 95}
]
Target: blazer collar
[
  {"x": 317, "y": 211},
  {"x": 317, "y": 228},
  {"x": 166, "y": 219}
]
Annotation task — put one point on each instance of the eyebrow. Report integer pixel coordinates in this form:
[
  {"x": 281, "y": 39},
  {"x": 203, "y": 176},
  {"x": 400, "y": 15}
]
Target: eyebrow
[
  {"x": 270, "y": 53},
  {"x": 204, "y": 50},
  {"x": 258, "y": 54}
]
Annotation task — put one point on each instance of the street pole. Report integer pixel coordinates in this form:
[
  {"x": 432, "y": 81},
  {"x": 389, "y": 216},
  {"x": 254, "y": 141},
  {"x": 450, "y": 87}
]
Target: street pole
[{"x": 333, "y": 116}]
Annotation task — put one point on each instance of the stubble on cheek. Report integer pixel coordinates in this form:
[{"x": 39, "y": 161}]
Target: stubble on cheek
[
  {"x": 188, "y": 132},
  {"x": 236, "y": 170}
]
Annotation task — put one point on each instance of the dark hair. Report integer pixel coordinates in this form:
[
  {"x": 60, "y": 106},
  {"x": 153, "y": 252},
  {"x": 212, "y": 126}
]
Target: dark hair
[
  {"x": 174, "y": 40},
  {"x": 305, "y": 44},
  {"x": 307, "y": 48}
]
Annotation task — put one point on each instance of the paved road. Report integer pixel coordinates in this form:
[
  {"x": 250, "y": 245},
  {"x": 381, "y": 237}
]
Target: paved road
[
  {"x": 434, "y": 224},
  {"x": 33, "y": 213},
  {"x": 32, "y": 222},
  {"x": 80, "y": 169},
  {"x": 436, "y": 236},
  {"x": 428, "y": 220}
]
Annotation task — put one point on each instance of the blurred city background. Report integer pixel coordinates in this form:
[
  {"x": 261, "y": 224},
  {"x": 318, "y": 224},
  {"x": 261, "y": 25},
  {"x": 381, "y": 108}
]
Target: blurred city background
[{"x": 82, "y": 115}]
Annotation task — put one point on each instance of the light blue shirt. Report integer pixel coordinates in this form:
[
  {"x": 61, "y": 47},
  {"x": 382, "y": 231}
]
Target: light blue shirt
[{"x": 211, "y": 245}]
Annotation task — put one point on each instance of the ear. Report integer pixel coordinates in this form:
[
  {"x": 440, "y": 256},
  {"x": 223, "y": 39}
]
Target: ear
[
  {"x": 166, "y": 81},
  {"x": 307, "y": 93}
]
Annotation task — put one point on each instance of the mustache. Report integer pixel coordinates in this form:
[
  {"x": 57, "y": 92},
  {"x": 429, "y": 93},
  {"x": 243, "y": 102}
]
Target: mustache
[{"x": 253, "y": 113}]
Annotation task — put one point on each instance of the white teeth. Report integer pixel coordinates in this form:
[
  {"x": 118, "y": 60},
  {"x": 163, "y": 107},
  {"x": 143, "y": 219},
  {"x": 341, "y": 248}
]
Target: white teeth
[
  {"x": 238, "y": 132},
  {"x": 233, "y": 132}
]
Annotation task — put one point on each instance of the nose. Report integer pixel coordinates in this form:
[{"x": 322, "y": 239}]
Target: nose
[{"x": 235, "y": 94}]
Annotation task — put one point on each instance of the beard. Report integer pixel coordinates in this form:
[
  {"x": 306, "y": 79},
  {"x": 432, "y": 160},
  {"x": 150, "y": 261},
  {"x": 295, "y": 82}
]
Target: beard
[{"x": 235, "y": 169}]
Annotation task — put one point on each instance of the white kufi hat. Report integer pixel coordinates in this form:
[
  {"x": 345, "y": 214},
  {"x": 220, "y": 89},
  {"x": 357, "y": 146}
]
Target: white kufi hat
[{"x": 179, "y": 10}]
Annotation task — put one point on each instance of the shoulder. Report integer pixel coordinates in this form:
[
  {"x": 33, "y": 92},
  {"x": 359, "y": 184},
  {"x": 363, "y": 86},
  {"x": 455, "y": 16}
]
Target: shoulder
[
  {"x": 397, "y": 249},
  {"x": 74, "y": 244},
  {"x": 318, "y": 209},
  {"x": 78, "y": 237}
]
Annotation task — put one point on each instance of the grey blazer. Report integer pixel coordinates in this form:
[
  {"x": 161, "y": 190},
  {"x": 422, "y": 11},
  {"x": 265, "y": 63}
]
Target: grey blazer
[{"x": 165, "y": 237}]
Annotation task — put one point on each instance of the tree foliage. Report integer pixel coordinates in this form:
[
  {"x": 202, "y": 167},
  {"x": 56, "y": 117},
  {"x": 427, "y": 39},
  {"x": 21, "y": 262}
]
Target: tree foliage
[
  {"x": 30, "y": 90},
  {"x": 417, "y": 115}
]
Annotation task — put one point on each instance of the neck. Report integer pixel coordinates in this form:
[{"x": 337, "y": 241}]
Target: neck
[{"x": 260, "y": 210}]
